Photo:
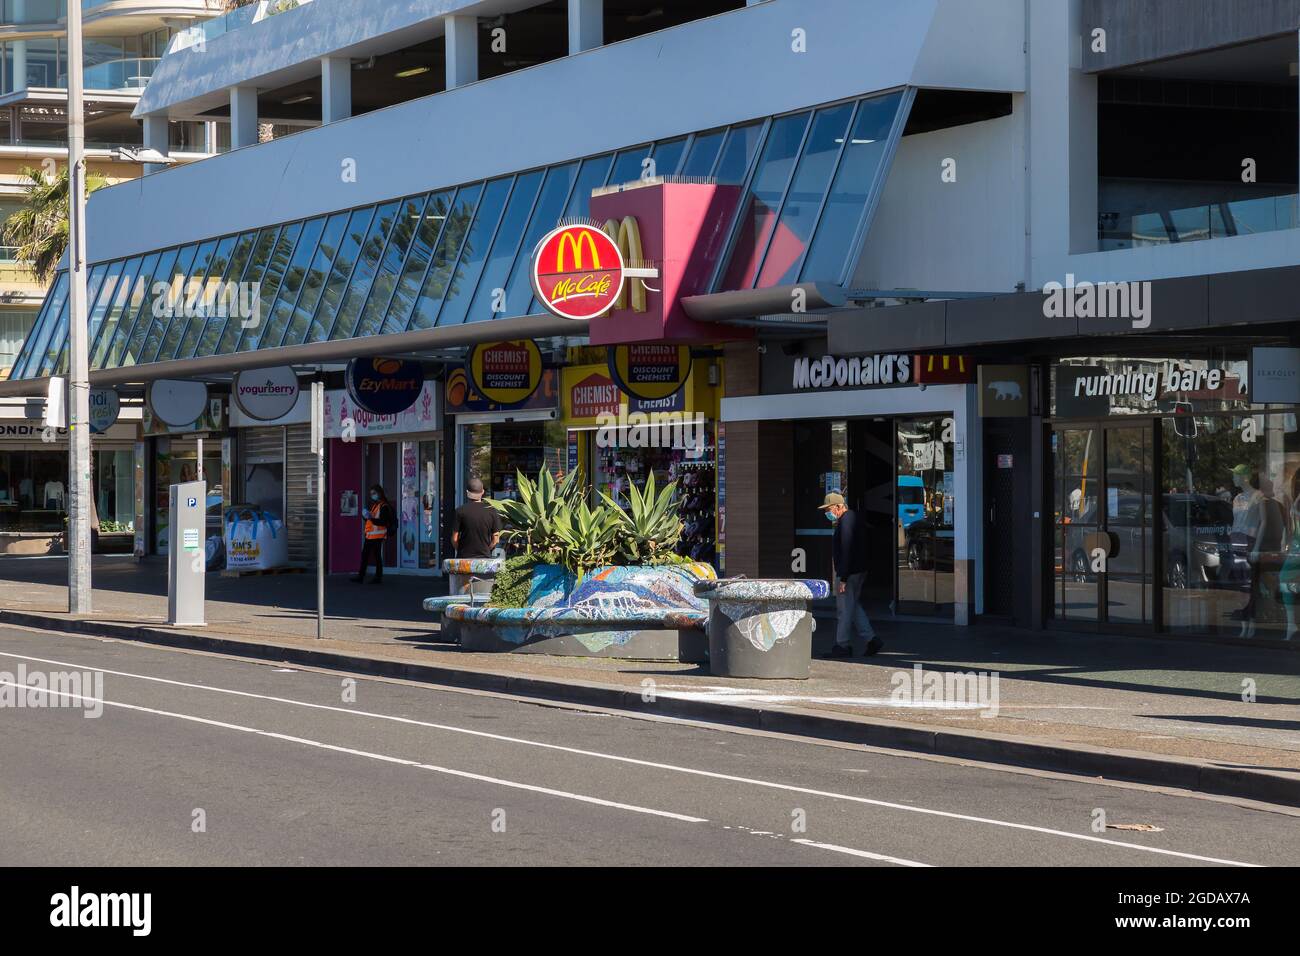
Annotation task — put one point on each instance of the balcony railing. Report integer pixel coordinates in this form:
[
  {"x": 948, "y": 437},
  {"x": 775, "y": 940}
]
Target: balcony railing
[
  {"x": 1212, "y": 221},
  {"x": 25, "y": 12},
  {"x": 131, "y": 73},
  {"x": 200, "y": 33}
]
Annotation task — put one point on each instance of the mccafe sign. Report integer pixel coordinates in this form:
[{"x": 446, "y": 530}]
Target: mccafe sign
[{"x": 578, "y": 272}]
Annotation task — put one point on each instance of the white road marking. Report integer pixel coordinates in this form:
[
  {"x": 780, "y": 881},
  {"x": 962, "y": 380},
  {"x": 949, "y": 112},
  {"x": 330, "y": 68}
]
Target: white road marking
[
  {"x": 834, "y": 848},
  {"x": 714, "y": 775},
  {"x": 512, "y": 784}
]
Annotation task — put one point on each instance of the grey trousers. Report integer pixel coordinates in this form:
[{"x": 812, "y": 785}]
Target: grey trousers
[{"x": 852, "y": 617}]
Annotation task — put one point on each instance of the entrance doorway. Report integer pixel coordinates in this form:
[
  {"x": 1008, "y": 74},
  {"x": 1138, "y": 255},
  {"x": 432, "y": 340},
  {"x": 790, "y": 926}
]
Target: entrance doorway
[
  {"x": 407, "y": 470},
  {"x": 1104, "y": 527},
  {"x": 898, "y": 476}
]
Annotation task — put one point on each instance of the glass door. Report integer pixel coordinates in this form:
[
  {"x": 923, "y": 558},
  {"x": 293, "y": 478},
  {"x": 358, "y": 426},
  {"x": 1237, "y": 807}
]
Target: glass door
[
  {"x": 1104, "y": 531},
  {"x": 925, "y": 490}
]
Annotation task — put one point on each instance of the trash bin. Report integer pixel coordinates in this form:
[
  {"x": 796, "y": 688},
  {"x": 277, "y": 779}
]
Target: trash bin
[{"x": 761, "y": 628}]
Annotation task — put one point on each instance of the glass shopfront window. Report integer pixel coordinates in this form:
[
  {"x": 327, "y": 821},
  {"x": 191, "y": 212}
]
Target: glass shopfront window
[
  {"x": 33, "y": 492},
  {"x": 1177, "y": 506},
  {"x": 495, "y": 451},
  {"x": 1232, "y": 524},
  {"x": 175, "y": 462}
]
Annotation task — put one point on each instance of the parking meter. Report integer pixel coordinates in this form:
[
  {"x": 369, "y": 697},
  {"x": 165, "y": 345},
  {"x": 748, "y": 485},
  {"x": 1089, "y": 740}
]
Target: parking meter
[{"x": 186, "y": 556}]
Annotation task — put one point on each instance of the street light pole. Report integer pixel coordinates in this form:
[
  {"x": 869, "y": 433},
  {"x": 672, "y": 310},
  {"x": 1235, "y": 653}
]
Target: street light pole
[{"x": 79, "y": 503}]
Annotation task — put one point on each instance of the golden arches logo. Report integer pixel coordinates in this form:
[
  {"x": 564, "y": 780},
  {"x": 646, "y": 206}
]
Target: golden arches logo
[
  {"x": 627, "y": 236},
  {"x": 575, "y": 241},
  {"x": 951, "y": 363}
]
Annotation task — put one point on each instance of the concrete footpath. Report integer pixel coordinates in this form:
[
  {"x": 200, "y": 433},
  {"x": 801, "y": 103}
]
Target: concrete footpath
[{"x": 1161, "y": 711}]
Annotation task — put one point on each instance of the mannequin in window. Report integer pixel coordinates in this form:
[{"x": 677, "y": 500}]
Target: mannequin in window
[
  {"x": 1259, "y": 525},
  {"x": 1289, "y": 577},
  {"x": 52, "y": 494}
]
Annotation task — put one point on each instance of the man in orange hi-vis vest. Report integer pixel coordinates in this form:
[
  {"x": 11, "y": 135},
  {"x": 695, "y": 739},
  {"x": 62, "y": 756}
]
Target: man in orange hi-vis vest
[{"x": 379, "y": 519}]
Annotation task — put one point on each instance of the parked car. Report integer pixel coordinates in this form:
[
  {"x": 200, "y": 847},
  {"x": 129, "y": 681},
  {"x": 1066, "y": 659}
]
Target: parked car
[{"x": 1199, "y": 552}]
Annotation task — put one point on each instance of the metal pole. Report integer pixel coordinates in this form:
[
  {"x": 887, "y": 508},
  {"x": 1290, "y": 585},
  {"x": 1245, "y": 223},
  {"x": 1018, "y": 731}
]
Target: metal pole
[
  {"x": 318, "y": 449},
  {"x": 198, "y": 471},
  {"x": 79, "y": 503}
]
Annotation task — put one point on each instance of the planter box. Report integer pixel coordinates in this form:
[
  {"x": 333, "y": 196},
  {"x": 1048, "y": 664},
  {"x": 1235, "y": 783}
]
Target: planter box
[{"x": 632, "y": 613}]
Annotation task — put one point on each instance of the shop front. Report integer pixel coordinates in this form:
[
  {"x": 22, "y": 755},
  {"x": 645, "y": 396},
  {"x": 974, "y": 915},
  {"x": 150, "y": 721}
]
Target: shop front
[
  {"x": 618, "y": 439},
  {"x": 402, "y": 453},
  {"x": 890, "y": 433},
  {"x": 33, "y": 487},
  {"x": 506, "y": 414},
  {"x": 192, "y": 447},
  {"x": 1175, "y": 492}
]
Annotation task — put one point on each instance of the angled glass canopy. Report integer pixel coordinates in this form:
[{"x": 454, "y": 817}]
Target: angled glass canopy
[{"x": 808, "y": 183}]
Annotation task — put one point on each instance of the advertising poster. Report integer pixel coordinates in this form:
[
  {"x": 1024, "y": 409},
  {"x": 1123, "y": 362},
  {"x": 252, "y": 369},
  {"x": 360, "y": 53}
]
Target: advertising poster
[
  {"x": 408, "y": 539},
  {"x": 722, "y": 499}
]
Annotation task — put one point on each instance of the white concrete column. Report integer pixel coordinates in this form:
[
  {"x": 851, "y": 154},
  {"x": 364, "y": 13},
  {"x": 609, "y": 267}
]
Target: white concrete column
[
  {"x": 335, "y": 88},
  {"x": 462, "y": 50},
  {"x": 243, "y": 116},
  {"x": 155, "y": 137},
  {"x": 586, "y": 25}
]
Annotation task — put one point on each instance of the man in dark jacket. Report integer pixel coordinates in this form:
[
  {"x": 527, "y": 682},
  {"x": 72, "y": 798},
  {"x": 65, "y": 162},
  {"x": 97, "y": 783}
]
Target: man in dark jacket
[{"x": 850, "y": 558}]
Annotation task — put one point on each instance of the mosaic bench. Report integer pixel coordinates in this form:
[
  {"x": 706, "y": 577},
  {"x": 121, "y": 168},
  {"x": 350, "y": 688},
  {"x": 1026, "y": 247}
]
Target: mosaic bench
[
  {"x": 470, "y": 582},
  {"x": 633, "y": 613}
]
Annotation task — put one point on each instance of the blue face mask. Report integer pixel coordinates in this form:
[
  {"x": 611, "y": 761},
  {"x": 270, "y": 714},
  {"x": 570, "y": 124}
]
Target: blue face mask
[
  {"x": 829, "y": 516},
  {"x": 373, "y": 496}
]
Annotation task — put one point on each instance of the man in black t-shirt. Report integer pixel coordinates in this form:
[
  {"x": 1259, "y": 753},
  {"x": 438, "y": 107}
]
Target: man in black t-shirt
[{"x": 476, "y": 528}]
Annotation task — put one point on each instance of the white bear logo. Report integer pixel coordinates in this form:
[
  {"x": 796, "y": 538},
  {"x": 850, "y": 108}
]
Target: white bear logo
[{"x": 1005, "y": 391}]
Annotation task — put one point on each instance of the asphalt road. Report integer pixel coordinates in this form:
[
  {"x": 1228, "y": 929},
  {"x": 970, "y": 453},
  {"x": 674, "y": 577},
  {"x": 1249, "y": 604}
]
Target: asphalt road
[{"x": 279, "y": 767}]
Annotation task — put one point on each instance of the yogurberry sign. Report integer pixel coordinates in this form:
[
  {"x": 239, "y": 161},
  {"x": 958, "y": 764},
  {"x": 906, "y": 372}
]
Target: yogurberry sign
[{"x": 345, "y": 419}]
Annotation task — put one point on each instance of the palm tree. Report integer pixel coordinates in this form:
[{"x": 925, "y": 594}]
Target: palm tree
[{"x": 40, "y": 228}]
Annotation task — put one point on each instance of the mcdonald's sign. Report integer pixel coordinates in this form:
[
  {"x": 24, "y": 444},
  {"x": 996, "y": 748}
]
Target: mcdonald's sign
[
  {"x": 578, "y": 271},
  {"x": 944, "y": 369}
]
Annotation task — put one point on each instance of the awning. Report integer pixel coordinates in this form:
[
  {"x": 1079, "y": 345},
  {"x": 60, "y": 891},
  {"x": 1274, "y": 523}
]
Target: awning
[{"x": 399, "y": 345}]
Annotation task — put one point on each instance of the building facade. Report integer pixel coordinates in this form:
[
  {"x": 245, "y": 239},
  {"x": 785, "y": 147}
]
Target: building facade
[
  {"x": 972, "y": 263},
  {"x": 124, "y": 41}
]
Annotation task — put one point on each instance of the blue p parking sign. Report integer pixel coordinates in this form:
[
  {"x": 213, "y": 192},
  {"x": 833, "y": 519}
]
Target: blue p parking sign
[{"x": 193, "y": 502}]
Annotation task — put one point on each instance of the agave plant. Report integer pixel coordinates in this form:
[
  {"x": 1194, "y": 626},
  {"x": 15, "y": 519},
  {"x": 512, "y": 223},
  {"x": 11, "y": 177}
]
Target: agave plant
[
  {"x": 530, "y": 518},
  {"x": 585, "y": 537},
  {"x": 650, "y": 527}
]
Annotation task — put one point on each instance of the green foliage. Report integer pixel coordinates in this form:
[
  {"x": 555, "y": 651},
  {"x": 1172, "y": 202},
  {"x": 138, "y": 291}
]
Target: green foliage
[
  {"x": 513, "y": 582},
  {"x": 40, "y": 228},
  {"x": 530, "y": 518},
  {"x": 585, "y": 538},
  {"x": 649, "y": 527},
  {"x": 553, "y": 523}
]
